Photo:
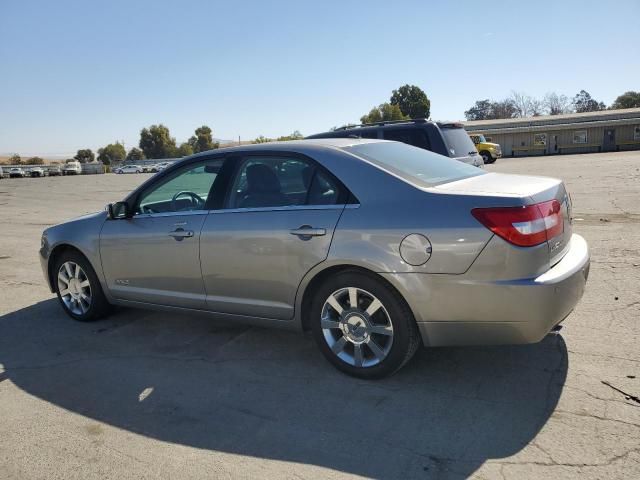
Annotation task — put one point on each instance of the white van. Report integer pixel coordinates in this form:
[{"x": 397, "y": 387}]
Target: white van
[{"x": 72, "y": 168}]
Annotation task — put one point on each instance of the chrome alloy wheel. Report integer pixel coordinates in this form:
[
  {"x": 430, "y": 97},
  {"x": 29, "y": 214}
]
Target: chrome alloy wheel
[
  {"x": 356, "y": 327},
  {"x": 74, "y": 288}
]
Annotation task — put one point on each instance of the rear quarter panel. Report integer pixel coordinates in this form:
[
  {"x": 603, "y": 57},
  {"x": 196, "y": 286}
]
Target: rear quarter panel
[{"x": 370, "y": 233}]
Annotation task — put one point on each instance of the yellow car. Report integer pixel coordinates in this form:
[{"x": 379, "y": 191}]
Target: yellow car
[{"x": 490, "y": 151}]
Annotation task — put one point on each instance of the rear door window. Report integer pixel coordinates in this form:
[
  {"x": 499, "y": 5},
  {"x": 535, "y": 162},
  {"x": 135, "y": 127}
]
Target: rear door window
[
  {"x": 272, "y": 181},
  {"x": 458, "y": 142},
  {"x": 369, "y": 134},
  {"x": 411, "y": 136}
]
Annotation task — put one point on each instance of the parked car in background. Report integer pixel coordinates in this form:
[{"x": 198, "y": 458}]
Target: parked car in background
[
  {"x": 1, "y": 172},
  {"x": 162, "y": 165},
  {"x": 128, "y": 169},
  {"x": 72, "y": 168},
  {"x": 446, "y": 138},
  {"x": 16, "y": 172},
  {"x": 373, "y": 246},
  {"x": 36, "y": 172},
  {"x": 54, "y": 170},
  {"x": 148, "y": 168},
  {"x": 489, "y": 151}
]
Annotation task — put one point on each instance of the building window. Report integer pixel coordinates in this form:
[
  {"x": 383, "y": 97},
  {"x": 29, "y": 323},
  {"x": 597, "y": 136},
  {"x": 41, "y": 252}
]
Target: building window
[
  {"x": 636, "y": 132},
  {"x": 580, "y": 136},
  {"x": 540, "y": 139}
]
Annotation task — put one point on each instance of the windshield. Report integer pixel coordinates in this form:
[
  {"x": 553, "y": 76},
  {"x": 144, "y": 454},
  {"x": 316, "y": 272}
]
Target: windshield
[
  {"x": 458, "y": 142},
  {"x": 413, "y": 164}
]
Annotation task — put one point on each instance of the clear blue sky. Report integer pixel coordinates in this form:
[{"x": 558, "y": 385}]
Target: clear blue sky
[{"x": 77, "y": 74}]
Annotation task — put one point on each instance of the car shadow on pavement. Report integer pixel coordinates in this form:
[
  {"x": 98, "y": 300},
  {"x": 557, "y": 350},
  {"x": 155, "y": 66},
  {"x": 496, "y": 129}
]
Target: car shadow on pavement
[{"x": 270, "y": 394}]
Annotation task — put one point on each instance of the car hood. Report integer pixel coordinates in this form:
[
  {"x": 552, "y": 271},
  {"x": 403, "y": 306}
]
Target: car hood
[{"x": 97, "y": 217}]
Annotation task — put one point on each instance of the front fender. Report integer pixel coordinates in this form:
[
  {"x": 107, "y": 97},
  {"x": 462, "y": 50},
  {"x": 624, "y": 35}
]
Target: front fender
[{"x": 82, "y": 234}]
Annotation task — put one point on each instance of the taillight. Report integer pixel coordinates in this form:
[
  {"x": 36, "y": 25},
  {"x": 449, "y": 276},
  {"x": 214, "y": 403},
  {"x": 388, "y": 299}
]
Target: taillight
[{"x": 523, "y": 226}]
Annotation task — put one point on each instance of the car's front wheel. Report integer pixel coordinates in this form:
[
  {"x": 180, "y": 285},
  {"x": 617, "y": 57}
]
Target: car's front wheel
[
  {"x": 486, "y": 157},
  {"x": 363, "y": 326},
  {"x": 78, "y": 288}
]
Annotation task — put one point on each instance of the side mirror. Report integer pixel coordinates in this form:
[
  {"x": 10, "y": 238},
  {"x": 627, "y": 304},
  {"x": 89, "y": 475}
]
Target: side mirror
[{"x": 118, "y": 210}]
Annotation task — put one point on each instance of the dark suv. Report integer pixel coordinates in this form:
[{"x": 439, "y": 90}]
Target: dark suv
[{"x": 449, "y": 139}]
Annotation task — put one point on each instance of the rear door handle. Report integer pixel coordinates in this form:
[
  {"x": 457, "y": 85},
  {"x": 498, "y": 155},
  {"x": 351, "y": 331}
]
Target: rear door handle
[
  {"x": 180, "y": 234},
  {"x": 308, "y": 232}
]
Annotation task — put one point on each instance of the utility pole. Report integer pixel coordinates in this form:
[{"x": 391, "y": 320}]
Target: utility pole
[{"x": 238, "y": 139}]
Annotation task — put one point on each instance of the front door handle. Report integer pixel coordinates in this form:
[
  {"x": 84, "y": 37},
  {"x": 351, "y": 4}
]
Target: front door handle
[
  {"x": 307, "y": 231},
  {"x": 180, "y": 234}
]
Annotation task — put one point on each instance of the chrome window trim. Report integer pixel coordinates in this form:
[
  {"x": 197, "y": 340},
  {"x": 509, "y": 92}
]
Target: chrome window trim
[
  {"x": 171, "y": 214},
  {"x": 242, "y": 210},
  {"x": 285, "y": 208}
]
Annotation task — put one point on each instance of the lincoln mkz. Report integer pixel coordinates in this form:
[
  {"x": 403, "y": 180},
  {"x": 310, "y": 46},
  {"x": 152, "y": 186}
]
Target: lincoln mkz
[{"x": 375, "y": 247}]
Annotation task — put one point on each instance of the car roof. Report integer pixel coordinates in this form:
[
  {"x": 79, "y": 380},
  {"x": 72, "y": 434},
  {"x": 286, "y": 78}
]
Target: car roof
[{"x": 300, "y": 146}]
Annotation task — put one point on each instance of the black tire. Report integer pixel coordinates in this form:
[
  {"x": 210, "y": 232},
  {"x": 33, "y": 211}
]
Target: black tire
[
  {"x": 405, "y": 340},
  {"x": 98, "y": 307},
  {"x": 486, "y": 157}
]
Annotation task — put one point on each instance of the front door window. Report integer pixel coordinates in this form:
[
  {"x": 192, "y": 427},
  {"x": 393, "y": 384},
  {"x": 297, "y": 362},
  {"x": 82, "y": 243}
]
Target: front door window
[{"x": 186, "y": 190}]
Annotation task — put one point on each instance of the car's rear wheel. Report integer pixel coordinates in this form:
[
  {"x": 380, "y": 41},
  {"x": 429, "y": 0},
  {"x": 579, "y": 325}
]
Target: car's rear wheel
[
  {"x": 78, "y": 288},
  {"x": 363, "y": 326}
]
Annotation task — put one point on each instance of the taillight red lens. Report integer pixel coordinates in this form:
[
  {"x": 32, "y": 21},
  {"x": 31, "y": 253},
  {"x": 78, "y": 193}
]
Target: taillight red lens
[{"x": 523, "y": 226}]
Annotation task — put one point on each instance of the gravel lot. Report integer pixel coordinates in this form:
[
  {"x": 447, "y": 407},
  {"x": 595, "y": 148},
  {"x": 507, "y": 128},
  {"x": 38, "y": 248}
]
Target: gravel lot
[{"x": 155, "y": 395}]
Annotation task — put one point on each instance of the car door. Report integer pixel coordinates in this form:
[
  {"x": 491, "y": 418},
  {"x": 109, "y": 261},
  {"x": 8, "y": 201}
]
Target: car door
[
  {"x": 154, "y": 256},
  {"x": 278, "y": 221}
]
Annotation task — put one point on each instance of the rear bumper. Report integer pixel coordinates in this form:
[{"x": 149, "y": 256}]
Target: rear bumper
[{"x": 454, "y": 310}]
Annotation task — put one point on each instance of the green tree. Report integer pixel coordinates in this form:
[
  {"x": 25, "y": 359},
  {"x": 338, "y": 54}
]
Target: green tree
[
  {"x": 134, "y": 155},
  {"x": 383, "y": 113},
  {"x": 14, "y": 159},
  {"x": 157, "y": 142},
  {"x": 490, "y": 110},
  {"x": 296, "y": 135},
  {"x": 481, "y": 110},
  {"x": 85, "y": 156},
  {"x": 114, "y": 152},
  {"x": 35, "y": 161},
  {"x": 412, "y": 100},
  {"x": 262, "y": 139},
  {"x": 583, "y": 102},
  {"x": 184, "y": 150},
  {"x": 202, "y": 140},
  {"x": 503, "y": 109},
  {"x": 628, "y": 99}
]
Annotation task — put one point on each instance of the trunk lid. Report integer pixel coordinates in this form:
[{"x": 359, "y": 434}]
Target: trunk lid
[{"x": 524, "y": 190}]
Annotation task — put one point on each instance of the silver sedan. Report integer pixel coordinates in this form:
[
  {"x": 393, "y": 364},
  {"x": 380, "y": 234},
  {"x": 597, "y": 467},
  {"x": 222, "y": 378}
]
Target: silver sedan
[{"x": 373, "y": 246}]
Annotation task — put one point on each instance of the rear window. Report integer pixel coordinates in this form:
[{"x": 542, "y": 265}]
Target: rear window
[
  {"x": 413, "y": 164},
  {"x": 458, "y": 142}
]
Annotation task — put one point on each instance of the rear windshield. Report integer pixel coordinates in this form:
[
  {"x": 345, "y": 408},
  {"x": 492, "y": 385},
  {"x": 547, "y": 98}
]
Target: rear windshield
[
  {"x": 413, "y": 164},
  {"x": 458, "y": 142}
]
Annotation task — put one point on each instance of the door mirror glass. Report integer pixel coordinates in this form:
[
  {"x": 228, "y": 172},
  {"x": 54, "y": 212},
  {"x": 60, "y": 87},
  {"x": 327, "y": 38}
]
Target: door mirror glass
[{"x": 118, "y": 210}]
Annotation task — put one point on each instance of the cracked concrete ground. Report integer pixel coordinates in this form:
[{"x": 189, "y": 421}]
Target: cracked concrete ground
[{"x": 154, "y": 395}]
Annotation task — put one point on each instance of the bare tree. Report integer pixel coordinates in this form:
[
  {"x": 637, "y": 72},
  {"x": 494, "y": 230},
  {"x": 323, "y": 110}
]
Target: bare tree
[
  {"x": 525, "y": 105},
  {"x": 555, "y": 104}
]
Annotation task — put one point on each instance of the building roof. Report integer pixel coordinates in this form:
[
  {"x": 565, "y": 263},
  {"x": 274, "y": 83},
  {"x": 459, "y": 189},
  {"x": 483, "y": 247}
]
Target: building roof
[
  {"x": 551, "y": 119},
  {"x": 541, "y": 123}
]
